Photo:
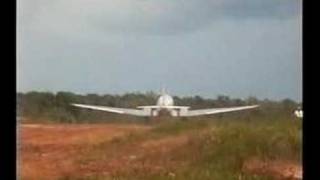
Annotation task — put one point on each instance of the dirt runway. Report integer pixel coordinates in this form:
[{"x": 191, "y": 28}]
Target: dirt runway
[{"x": 55, "y": 151}]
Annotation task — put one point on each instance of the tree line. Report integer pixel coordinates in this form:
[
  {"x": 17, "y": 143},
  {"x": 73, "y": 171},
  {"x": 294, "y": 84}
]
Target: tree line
[{"x": 47, "y": 106}]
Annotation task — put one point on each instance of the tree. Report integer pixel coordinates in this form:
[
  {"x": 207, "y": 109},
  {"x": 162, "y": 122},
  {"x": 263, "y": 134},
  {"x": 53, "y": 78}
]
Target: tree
[
  {"x": 252, "y": 100},
  {"x": 289, "y": 105},
  {"x": 222, "y": 100}
]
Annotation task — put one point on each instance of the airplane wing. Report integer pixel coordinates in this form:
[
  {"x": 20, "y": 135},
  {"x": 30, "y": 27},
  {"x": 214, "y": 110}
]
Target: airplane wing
[
  {"x": 135, "y": 112},
  {"x": 215, "y": 110}
]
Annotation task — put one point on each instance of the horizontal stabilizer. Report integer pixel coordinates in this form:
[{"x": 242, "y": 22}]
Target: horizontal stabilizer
[{"x": 163, "y": 107}]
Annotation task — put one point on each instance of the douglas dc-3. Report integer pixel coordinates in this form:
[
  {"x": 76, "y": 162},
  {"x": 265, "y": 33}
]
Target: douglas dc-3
[{"x": 164, "y": 103}]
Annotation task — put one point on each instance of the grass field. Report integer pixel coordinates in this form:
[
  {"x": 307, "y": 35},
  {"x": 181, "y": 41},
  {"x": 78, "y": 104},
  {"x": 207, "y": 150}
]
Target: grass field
[{"x": 226, "y": 148}]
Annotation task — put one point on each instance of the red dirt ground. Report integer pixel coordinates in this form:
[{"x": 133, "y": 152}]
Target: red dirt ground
[
  {"x": 52, "y": 150},
  {"x": 55, "y": 151}
]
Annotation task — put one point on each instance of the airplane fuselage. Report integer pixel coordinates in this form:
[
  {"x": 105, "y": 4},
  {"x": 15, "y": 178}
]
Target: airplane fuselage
[{"x": 165, "y": 105}]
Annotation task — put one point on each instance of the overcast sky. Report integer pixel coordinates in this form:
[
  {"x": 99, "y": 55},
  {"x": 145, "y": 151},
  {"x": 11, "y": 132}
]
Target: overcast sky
[{"x": 238, "y": 48}]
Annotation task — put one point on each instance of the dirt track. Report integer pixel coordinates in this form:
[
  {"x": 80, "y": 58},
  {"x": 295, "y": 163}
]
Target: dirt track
[
  {"x": 54, "y": 150},
  {"x": 57, "y": 151}
]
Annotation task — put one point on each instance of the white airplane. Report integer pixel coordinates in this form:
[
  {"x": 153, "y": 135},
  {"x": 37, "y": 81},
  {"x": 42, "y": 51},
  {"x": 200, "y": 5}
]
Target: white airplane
[{"x": 164, "y": 103}]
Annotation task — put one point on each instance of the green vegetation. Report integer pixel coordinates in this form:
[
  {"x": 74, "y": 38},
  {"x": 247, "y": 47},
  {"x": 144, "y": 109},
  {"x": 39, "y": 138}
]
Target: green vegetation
[
  {"x": 221, "y": 151},
  {"x": 213, "y": 150},
  {"x": 49, "y": 107}
]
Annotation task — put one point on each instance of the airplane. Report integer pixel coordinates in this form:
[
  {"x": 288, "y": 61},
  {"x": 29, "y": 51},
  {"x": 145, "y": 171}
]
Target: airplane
[{"x": 164, "y": 103}]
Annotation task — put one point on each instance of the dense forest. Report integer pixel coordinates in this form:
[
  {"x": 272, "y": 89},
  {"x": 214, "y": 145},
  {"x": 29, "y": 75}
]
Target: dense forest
[{"x": 55, "y": 107}]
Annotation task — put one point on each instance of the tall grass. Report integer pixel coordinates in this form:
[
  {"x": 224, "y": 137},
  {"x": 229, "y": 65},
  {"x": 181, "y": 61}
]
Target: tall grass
[{"x": 221, "y": 150}]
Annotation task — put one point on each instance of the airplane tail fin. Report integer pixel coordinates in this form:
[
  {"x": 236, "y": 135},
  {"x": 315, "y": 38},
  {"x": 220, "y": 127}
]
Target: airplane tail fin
[{"x": 163, "y": 90}]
